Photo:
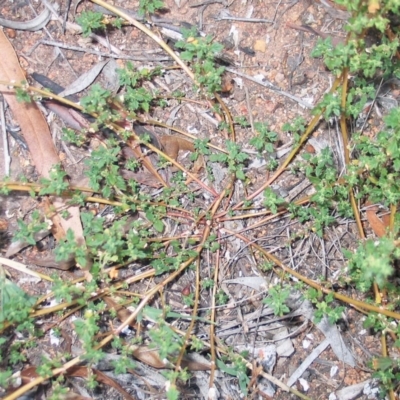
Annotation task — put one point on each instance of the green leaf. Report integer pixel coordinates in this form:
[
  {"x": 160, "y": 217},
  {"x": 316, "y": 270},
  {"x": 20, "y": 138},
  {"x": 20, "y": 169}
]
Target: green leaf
[{"x": 158, "y": 226}]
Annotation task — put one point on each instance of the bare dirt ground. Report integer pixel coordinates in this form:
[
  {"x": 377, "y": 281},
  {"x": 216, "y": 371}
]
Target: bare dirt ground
[{"x": 273, "y": 52}]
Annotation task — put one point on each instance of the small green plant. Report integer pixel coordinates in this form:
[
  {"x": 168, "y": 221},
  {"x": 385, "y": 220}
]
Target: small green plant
[
  {"x": 238, "y": 369},
  {"x": 130, "y": 76},
  {"x": 56, "y": 183},
  {"x": 204, "y": 50},
  {"x": 330, "y": 105},
  {"x": 22, "y": 95},
  {"x": 103, "y": 170},
  {"x": 212, "y": 243},
  {"x": 221, "y": 298},
  {"x": 373, "y": 262},
  {"x": 242, "y": 121},
  {"x": 26, "y": 231},
  {"x": 76, "y": 138},
  {"x": 324, "y": 306},
  {"x": 234, "y": 159},
  {"x": 277, "y": 296},
  {"x": 5, "y": 377},
  {"x": 58, "y": 390},
  {"x": 207, "y": 283},
  {"x": 295, "y": 128},
  {"x": 188, "y": 300},
  {"x": 150, "y": 6},
  {"x": 329, "y": 196},
  {"x": 201, "y": 148},
  {"x": 387, "y": 372},
  {"x": 91, "y": 22},
  {"x": 86, "y": 329},
  {"x": 264, "y": 139},
  {"x": 272, "y": 201},
  {"x": 165, "y": 340}
]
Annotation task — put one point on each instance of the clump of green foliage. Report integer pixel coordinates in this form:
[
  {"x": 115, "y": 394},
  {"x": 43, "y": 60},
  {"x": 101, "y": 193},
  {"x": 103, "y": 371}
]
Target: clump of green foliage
[{"x": 202, "y": 52}]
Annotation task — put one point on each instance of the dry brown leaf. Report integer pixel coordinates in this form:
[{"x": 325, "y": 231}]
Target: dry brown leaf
[
  {"x": 28, "y": 375},
  {"x": 72, "y": 118},
  {"x": 31, "y": 121},
  {"x": 82, "y": 372},
  {"x": 373, "y": 6},
  {"x": 49, "y": 261},
  {"x": 3, "y": 224},
  {"x": 172, "y": 145},
  {"x": 122, "y": 312},
  {"x": 35, "y": 131},
  {"x": 151, "y": 357},
  {"x": 141, "y": 176},
  {"x": 377, "y": 225},
  {"x": 113, "y": 273},
  {"x": 146, "y": 162}
]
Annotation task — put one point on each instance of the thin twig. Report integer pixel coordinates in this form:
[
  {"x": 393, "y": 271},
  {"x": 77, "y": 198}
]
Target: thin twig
[
  {"x": 100, "y": 53},
  {"x": 240, "y": 19},
  {"x": 7, "y": 158},
  {"x": 58, "y": 51},
  {"x": 207, "y": 2}
]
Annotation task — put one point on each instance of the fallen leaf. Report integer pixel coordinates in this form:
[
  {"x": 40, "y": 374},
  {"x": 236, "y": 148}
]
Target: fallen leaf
[
  {"x": 377, "y": 225},
  {"x": 193, "y": 362},
  {"x": 172, "y": 145},
  {"x": 50, "y": 262},
  {"x": 113, "y": 273},
  {"x": 35, "y": 131},
  {"x": 84, "y": 80},
  {"x": 122, "y": 312},
  {"x": 373, "y": 6},
  {"x": 83, "y": 372}
]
